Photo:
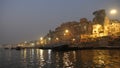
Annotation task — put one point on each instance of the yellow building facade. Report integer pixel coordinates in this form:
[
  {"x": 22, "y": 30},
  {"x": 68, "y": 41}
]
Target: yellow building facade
[{"x": 110, "y": 27}]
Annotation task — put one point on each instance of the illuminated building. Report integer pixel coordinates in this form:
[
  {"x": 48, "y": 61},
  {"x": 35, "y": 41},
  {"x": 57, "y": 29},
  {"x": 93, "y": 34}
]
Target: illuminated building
[{"x": 105, "y": 28}]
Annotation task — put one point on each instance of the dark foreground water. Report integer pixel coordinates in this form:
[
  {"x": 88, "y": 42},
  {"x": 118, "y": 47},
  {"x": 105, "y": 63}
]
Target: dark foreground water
[{"x": 37, "y": 58}]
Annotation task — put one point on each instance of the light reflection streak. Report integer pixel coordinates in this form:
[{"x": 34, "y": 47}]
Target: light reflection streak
[
  {"x": 37, "y": 52},
  {"x": 49, "y": 56},
  {"x": 24, "y": 54},
  {"x": 41, "y": 55},
  {"x": 66, "y": 60},
  {"x": 74, "y": 56},
  {"x": 41, "y": 58},
  {"x": 24, "y": 57},
  {"x": 32, "y": 52},
  {"x": 31, "y": 56}
]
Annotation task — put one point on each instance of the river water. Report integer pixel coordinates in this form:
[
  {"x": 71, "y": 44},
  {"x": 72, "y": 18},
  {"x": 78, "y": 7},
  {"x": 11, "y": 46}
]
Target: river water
[{"x": 37, "y": 58}]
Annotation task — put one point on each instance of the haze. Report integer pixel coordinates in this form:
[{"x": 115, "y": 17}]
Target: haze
[{"x": 22, "y": 20}]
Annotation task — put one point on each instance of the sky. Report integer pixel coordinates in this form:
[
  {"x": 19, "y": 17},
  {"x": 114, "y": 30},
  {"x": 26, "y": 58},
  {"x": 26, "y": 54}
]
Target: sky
[{"x": 22, "y": 20}]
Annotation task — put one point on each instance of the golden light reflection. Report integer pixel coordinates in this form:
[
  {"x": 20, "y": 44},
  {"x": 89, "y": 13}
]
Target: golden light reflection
[
  {"x": 74, "y": 55},
  {"x": 37, "y": 52},
  {"x": 41, "y": 55},
  {"x": 49, "y": 56},
  {"x": 101, "y": 57},
  {"x": 66, "y": 60},
  {"x": 24, "y": 53},
  {"x": 33, "y": 50}
]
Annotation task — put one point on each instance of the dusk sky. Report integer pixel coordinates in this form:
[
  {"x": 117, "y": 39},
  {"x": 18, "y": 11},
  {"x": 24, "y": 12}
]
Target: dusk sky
[{"x": 22, "y": 20}]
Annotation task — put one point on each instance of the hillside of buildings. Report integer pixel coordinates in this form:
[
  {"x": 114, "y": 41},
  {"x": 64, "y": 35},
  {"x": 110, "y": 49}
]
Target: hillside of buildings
[
  {"x": 76, "y": 31},
  {"x": 82, "y": 31}
]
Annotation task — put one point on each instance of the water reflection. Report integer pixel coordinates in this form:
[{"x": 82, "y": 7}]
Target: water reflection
[
  {"x": 49, "y": 57},
  {"x": 88, "y": 59},
  {"x": 37, "y": 58},
  {"x": 68, "y": 59},
  {"x": 101, "y": 58},
  {"x": 41, "y": 58}
]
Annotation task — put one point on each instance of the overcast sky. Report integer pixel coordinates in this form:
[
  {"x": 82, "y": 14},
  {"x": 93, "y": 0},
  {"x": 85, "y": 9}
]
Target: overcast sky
[{"x": 22, "y": 20}]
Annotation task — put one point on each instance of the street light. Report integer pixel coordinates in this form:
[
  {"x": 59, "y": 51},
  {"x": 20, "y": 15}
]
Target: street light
[
  {"x": 66, "y": 31},
  {"x": 32, "y": 44},
  {"x": 73, "y": 39},
  {"x": 49, "y": 38},
  {"x": 57, "y": 38},
  {"x": 113, "y": 11},
  {"x": 67, "y": 35},
  {"x": 41, "y": 38}
]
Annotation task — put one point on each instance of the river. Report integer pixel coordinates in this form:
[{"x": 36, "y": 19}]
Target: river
[{"x": 37, "y": 58}]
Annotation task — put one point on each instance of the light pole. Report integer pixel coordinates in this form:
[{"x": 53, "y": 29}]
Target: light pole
[
  {"x": 41, "y": 41},
  {"x": 66, "y": 35}
]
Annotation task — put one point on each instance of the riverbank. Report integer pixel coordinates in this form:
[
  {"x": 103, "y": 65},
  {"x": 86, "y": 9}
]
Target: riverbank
[{"x": 65, "y": 48}]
